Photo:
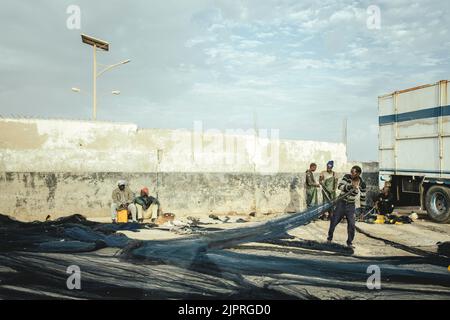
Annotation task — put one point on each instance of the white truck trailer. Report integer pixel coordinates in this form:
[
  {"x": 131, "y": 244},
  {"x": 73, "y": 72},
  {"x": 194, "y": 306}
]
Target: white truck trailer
[{"x": 414, "y": 147}]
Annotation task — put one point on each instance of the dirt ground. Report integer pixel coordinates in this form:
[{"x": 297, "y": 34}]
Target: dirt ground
[
  {"x": 422, "y": 235},
  {"x": 300, "y": 265}
]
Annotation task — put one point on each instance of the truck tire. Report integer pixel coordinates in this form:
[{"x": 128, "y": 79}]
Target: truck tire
[{"x": 437, "y": 202}]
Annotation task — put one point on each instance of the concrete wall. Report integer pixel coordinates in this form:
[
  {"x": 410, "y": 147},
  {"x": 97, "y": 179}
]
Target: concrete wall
[{"x": 61, "y": 167}]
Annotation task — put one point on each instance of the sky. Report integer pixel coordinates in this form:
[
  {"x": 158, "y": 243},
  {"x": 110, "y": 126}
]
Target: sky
[{"x": 300, "y": 67}]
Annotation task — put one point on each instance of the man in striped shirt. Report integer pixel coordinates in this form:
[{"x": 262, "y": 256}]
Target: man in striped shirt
[{"x": 351, "y": 186}]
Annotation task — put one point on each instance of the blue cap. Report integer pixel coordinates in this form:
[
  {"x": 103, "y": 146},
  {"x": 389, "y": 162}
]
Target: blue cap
[{"x": 330, "y": 163}]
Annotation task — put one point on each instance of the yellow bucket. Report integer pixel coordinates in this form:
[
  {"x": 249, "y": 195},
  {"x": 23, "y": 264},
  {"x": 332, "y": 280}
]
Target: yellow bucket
[
  {"x": 380, "y": 219},
  {"x": 122, "y": 216}
]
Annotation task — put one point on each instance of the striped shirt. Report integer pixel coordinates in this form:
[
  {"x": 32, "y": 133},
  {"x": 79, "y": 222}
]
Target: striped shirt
[{"x": 345, "y": 185}]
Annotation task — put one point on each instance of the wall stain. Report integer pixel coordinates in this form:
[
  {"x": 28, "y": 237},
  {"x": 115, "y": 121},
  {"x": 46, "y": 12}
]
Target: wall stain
[
  {"x": 9, "y": 176},
  {"x": 21, "y": 202},
  {"x": 21, "y": 136},
  {"x": 51, "y": 182},
  {"x": 32, "y": 175}
]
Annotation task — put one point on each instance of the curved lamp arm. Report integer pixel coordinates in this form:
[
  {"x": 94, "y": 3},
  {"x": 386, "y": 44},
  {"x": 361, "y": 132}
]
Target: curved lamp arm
[{"x": 112, "y": 66}]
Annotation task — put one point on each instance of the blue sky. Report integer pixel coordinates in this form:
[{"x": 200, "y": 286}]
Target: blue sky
[{"x": 300, "y": 66}]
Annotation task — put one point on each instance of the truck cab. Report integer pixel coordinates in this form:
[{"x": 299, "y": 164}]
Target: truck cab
[{"x": 414, "y": 147}]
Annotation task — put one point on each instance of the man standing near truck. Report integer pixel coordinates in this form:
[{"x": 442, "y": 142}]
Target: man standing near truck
[
  {"x": 385, "y": 201},
  {"x": 351, "y": 186},
  {"x": 311, "y": 186},
  {"x": 328, "y": 181}
]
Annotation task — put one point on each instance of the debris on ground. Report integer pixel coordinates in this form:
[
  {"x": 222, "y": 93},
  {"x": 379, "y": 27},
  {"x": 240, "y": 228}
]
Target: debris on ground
[
  {"x": 217, "y": 218},
  {"x": 164, "y": 218},
  {"x": 172, "y": 224},
  {"x": 388, "y": 219},
  {"x": 193, "y": 221}
]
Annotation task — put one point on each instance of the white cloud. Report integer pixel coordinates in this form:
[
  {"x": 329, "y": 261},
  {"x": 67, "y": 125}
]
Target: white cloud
[
  {"x": 249, "y": 44},
  {"x": 232, "y": 57},
  {"x": 342, "y": 15},
  {"x": 264, "y": 35}
]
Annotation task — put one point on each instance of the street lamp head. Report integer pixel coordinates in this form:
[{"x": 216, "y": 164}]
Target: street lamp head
[
  {"x": 95, "y": 42},
  {"x": 76, "y": 89},
  {"x": 126, "y": 61},
  {"x": 116, "y": 92}
]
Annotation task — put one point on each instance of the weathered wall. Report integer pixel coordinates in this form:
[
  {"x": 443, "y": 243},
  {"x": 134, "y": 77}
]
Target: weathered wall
[
  {"x": 85, "y": 146},
  {"x": 61, "y": 167}
]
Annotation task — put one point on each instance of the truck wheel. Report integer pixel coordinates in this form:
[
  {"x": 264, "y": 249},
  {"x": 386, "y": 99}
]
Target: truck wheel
[{"x": 437, "y": 202}]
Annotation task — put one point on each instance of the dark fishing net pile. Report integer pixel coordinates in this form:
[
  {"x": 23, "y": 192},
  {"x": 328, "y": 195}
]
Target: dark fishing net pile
[
  {"x": 77, "y": 234},
  {"x": 68, "y": 234},
  {"x": 205, "y": 254}
]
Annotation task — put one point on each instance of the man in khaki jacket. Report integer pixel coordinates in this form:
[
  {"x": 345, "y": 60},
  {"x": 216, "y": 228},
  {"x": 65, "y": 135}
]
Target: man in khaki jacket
[{"x": 123, "y": 198}]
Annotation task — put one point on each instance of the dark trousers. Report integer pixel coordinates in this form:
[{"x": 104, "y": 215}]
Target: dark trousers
[
  {"x": 385, "y": 208},
  {"x": 347, "y": 210}
]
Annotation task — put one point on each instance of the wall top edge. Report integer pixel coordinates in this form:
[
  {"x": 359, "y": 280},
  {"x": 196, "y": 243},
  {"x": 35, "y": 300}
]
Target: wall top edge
[{"x": 160, "y": 130}]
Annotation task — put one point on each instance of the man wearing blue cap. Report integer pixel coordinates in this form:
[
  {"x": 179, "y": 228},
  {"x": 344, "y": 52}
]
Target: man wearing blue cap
[{"x": 328, "y": 181}]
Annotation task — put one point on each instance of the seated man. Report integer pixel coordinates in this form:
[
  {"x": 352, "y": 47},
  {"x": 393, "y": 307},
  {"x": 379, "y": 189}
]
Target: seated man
[
  {"x": 123, "y": 198},
  {"x": 385, "y": 201},
  {"x": 147, "y": 206}
]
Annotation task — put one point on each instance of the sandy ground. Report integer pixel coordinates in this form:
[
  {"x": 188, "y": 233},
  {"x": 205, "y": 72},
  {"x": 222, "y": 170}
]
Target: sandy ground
[
  {"x": 422, "y": 234},
  {"x": 407, "y": 240}
]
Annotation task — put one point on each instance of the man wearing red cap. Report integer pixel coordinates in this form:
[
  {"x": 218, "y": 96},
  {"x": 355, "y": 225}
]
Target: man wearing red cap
[{"x": 147, "y": 205}]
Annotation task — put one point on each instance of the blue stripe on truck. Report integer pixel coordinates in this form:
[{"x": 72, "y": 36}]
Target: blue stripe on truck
[
  {"x": 415, "y": 115},
  {"x": 413, "y": 171}
]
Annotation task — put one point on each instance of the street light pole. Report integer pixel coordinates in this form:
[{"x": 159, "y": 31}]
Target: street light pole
[
  {"x": 94, "y": 81},
  {"x": 96, "y": 43}
]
